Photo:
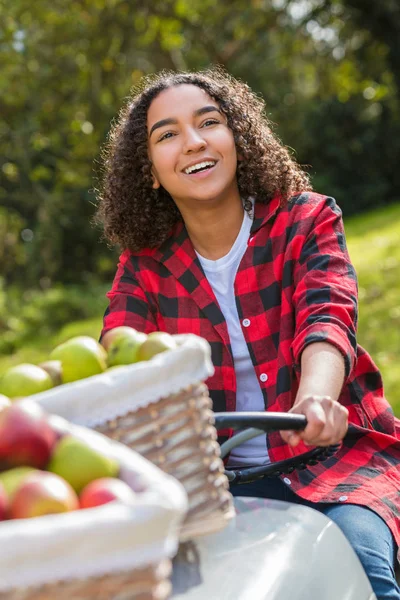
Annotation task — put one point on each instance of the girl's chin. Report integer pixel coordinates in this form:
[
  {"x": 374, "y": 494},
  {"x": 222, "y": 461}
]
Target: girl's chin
[{"x": 201, "y": 193}]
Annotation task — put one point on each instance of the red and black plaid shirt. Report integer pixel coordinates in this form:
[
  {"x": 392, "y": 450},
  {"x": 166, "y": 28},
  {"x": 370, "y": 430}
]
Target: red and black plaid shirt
[{"x": 295, "y": 285}]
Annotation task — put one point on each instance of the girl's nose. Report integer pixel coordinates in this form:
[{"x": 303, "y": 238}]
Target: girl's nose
[{"x": 193, "y": 141}]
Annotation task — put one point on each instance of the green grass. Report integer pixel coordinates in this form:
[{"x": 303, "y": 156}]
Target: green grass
[{"x": 374, "y": 245}]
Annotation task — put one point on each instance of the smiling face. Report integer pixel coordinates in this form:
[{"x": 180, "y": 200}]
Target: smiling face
[{"x": 188, "y": 131}]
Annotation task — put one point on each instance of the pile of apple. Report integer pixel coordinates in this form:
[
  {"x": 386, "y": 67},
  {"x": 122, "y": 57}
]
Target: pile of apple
[
  {"x": 82, "y": 357},
  {"x": 46, "y": 469}
]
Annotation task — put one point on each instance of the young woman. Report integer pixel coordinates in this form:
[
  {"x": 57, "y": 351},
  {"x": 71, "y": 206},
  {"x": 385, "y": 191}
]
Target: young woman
[{"x": 222, "y": 236}]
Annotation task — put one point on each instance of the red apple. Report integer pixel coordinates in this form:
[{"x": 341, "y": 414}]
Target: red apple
[
  {"x": 43, "y": 493},
  {"x": 26, "y": 438},
  {"x": 3, "y": 503},
  {"x": 104, "y": 490}
]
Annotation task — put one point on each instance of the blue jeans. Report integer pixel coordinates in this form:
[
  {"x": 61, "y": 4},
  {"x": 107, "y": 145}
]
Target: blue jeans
[{"x": 367, "y": 533}]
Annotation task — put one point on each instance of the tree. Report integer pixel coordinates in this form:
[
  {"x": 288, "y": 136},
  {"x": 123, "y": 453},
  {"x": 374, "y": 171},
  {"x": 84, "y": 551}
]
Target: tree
[{"x": 324, "y": 68}]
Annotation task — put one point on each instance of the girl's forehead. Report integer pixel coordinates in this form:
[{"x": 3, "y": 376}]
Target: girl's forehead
[{"x": 182, "y": 99}]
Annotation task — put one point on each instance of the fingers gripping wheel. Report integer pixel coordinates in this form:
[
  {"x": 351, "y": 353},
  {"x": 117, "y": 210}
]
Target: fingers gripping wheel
[{"x": 258, "y": 423}]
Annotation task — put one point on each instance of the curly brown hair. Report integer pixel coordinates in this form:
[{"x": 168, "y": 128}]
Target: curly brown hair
[{"x": 136, "y": 216}]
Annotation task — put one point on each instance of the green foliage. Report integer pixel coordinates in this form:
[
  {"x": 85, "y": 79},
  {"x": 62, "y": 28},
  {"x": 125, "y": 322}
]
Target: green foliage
[
  {"x": 42, "y": 313},
  {"x": 328, "y": 69}
]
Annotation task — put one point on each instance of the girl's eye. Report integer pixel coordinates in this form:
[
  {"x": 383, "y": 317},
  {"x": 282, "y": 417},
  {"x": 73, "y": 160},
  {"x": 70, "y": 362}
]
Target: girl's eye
[
  {"x": 167, "y": 135},
  {"x": 164, "y": 136},
  {"x": 210, "y": 121}
]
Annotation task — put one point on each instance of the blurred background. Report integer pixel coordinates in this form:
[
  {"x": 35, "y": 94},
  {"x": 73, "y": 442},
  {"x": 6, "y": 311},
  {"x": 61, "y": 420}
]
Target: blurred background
[{"x": 329, "y": 71}]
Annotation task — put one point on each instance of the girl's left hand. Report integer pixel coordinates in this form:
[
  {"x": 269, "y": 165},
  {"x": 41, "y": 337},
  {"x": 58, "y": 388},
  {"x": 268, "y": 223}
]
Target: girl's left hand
[{"x": 326, "y": 421}]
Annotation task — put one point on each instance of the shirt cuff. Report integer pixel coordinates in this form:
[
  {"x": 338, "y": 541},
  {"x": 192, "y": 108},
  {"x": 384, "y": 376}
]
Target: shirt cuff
[{"x": 331, "y": 334}]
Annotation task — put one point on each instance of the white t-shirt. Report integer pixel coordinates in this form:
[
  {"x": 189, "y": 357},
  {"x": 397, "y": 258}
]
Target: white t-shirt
[{"x": 221, "y": 275}]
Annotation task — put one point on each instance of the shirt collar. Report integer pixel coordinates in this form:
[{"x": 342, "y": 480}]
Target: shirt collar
[{"x": 178, "y": 242}]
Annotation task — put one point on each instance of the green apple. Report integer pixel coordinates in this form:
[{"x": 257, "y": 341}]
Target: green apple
[
  {"x": 80, "y": 357},
  {"x": 24, "y": 380},
  {"x": 122, "y": 345},
  {"x": 79, "y": 462},
  {"x": 156, "y": 342},
  {"x": 53, "y": 368},
  {"x": 13, "y": 478}
]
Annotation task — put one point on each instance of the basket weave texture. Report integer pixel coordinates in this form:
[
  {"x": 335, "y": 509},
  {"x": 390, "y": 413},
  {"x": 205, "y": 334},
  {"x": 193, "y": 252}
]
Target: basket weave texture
[
  {"x": 151, "y": 583},
  {"x": 161, "y": 409},
  {"x": 178, "y": 436}
]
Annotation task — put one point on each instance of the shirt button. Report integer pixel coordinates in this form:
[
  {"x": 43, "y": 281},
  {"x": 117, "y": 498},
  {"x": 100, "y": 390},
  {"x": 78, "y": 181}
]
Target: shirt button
[
  {"x": 246, "y": 322},
  {"x": 287, "y": 480},
  {"x": 251, "y": 239},
  {"x": 263, "y": 377},
  {"x": 343, "y": 498}
]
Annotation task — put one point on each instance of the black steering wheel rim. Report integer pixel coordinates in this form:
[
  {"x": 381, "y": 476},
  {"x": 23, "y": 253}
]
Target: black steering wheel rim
[{"x": 266, "y": 422}]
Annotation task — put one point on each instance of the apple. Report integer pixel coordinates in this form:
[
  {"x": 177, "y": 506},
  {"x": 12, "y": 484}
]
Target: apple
[
  {"x": 42, "y": 493},
  {"x": 53, "y": 368},
  {"x": 4, "y": 401},
  {"x": 80, "y": 357},
  {"x": 104, "y": 490},
  {"x": 11, "y": 480},
  {"x": 157, "y": 341},
  {"x": 24, "y": 380},
  {"x": 79, "y": 462},
  {"x": 26, "y": 438},
  {"x": 122, "y": 345},
  {"x": 3, "y": 503}
]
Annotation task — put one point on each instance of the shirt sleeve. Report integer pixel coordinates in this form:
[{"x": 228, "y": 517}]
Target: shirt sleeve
[
  {"x": 325, "y": 295},
  {"x": 128, "y": 304}
]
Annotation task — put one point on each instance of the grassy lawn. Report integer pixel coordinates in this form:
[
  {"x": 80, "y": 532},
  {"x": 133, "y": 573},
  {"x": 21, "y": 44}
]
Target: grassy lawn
[{"x": 373, "y": 242}]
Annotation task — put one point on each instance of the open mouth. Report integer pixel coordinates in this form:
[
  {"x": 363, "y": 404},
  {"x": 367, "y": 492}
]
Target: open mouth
[{"x": 202, "y": 168}]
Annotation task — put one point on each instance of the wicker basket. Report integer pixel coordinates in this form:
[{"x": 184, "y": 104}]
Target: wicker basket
[
  {"x": 151, "y": 583},
  {"x": 177, "y": 435},
  {"x": 168, "y": 419},
  {"x": 111, "y": 552}
]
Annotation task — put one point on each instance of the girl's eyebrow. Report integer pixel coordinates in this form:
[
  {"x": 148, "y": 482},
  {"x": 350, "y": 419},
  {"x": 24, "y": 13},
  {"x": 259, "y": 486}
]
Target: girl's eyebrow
[{"x": 196, "y": 113}]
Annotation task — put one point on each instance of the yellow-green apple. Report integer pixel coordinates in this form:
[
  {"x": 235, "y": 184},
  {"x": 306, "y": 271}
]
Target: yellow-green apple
[
  {"x": 26, "y": 438},
  {"x": 122, "y": 345},
  {"x": 24, "y": 380},
  {"x": 80, "y": 357},
  {"x": 3, "y": 503},
  {"x": 157, "y": 341},
  {"x": 104, "y": 490},
  {"x": 4, "y": 401},
  {"x": 42, "y": 493},
  {"x": 53, "y": 368},
  {"x": 13, "y": 478},
  {"x": 79, "y": 462}
]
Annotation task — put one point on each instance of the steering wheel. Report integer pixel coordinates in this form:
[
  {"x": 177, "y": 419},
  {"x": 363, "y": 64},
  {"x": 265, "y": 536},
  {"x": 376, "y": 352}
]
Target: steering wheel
[{"x": 254, "y": 424}]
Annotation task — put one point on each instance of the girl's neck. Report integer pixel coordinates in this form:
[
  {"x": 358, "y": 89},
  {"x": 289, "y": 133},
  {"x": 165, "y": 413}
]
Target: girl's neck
[{"x": 214, "y": 229}]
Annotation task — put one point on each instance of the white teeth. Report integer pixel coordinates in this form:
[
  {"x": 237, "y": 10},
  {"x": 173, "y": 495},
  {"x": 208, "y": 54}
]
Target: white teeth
[{"x": 202, "y": 165}]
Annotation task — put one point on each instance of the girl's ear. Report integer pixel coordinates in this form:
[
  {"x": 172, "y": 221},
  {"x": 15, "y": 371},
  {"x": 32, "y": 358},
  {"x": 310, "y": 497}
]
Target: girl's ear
[{"x": 156, "y": 183}]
